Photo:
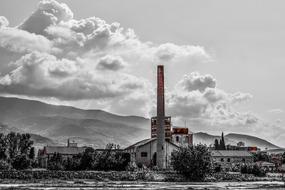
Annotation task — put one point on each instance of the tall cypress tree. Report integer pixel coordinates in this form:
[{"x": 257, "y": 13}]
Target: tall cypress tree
[{"x": 223, "y": 144}]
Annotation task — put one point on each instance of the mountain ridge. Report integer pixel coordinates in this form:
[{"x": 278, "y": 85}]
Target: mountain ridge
[{"x": 57, "y": 123}]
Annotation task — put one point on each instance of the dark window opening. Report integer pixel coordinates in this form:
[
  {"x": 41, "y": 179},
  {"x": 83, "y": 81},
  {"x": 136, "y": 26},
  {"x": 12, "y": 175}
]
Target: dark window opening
[
  {"x": 143, "y": 154},
  {"x": 222, "y": 159},
  {"x": 229, "y": 160},
  {"x": 177, "y": 139}
]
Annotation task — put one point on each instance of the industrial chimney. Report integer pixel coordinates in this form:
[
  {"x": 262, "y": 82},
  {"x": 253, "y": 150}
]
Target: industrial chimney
[{"x": 161, "y": 162}]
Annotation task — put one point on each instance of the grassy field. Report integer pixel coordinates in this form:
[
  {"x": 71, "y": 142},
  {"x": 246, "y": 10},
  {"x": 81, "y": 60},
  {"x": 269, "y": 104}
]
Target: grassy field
[{"x": 90, "y": 184}]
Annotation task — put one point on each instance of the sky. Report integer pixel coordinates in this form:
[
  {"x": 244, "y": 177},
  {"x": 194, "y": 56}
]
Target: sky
[{"x": 224, "y": 60}]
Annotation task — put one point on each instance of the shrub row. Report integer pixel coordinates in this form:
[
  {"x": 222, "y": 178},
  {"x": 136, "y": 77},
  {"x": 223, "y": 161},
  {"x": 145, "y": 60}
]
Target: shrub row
[{"x": 70, "y": 175}]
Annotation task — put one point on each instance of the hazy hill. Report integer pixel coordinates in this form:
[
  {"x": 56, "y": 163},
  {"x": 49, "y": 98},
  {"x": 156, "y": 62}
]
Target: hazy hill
[
  {"x": 51, "y": 124},
  {"x": 58, "y": 123},
  {"x": 38, "y": 139},
  {"x": 233, "y": 139}
]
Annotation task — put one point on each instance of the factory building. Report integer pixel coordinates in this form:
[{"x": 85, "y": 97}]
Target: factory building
[
  {"x": 144, "y": 152},
  {"x": 157, "y": 150},
  {"x": 45, "y": 154}
]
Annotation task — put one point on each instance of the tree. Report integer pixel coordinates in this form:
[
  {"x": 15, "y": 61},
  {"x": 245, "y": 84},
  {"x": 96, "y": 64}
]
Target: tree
[
  {"x": 217, "y": 145},
  {"x": 220, "y": 145},
  {"x": 32, "y": 153},
  {"x": 3, "y": 147},
  {"x": 13, "y": 141},
  {"x": 255, "y": 170},
  {"x": 111, "y": 159},
  {"x": 21, "y": 162},
  {"x": 25, "y": 143},
  {"x": 194, "y": 162},
  {"x": 87, "y": 159},
  {"x": 4, "y": 165},
  {"x": 222, "y": 142},
  {"x": 260, "y": 156},
  {"x": 56, "y": 162}
]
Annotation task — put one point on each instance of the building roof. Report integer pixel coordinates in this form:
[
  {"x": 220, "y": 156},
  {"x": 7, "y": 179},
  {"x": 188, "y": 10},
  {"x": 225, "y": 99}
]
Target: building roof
[
  {"x": 140, "y": 143},
  {"x": 230, "y": 153},
  {"x": 146, "y": 141},
  {"x": 63, "y": 150}
]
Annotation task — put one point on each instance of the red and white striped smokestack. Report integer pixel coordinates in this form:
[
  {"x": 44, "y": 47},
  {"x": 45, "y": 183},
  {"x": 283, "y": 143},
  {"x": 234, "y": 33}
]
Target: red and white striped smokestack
[{"x": 161, "y": 161}]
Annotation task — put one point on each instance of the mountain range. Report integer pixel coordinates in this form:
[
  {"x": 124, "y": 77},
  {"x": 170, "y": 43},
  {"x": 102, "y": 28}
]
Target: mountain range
[
  {"x": 53, "y": 124},
  {"x": 233, "y": 139}
]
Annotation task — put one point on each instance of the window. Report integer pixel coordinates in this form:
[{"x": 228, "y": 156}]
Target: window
[
  {"x": 143, "y": 154},
  {"x": 229, "y": 160},
  {"x": 222, "y": 160},
  {"x": 177, "y": 138}
]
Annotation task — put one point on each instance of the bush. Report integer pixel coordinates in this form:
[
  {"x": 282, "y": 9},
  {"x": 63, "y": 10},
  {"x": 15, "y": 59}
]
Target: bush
[
  {"x": 255, "y": 170},
  {"x": 21, "y": 162},
  {"x": 217, "y": 168},
  {"x": 56, "y": 162},
  {"x": 193, "y": 162},
  {"x": 111, "y": 160},
  {"x": 4, "y": 165},
  {"x": 131, "y": 166}
]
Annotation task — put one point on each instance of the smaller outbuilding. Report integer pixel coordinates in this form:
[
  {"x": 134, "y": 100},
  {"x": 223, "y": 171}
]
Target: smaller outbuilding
[
  {"x": 45, "y": 154},
  {"x": 231, "y": 158}
]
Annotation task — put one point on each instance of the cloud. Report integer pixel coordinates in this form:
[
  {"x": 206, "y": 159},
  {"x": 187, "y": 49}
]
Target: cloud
[
  {"x": 49, "y": 12},
  {"x": 52, "y": 55},
  {"x": 276, "y": 111},
  {"x": 239, "y": 97},
  {"x": 169, "y": 51},
  {"x": 196, "y": 98},
  {"x": 3, "y": 22},
  {"x": 44, "y": 75},
  {"x": 111, "y": 63},
  {"x": 19, "y": 41},
  {"x": 195, "y": 81}
]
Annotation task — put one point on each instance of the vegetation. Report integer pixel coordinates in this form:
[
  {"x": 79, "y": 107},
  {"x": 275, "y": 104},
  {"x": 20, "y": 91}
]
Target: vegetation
[
  {"x": 220, "y": 145},
  {"x": 90, "y": 159},
  {"x": 192, "y": 161},
  {"x": 16, "y": 150},
  {"x": 260, "y": 156},
  {"x": 4, "y": 165},
  {"x": 255, "y": 170}
]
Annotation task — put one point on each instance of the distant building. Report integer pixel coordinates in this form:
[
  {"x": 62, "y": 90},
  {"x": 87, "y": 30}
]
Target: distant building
[
  {"x": 240, "y": 144},
  {"x": 45, "y": 154},
  {"x": 144, "y": 152},
  {"x": 230, "y": 158},
  {"x": 182, "y": 136},
  {"x": 240, "y": 147}
]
